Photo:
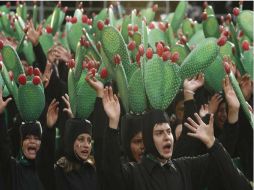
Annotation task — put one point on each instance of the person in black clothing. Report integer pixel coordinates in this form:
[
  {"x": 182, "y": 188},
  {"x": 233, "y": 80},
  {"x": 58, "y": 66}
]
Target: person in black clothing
[
  {"x": 21, "y": 173},
  {"x": 75, "y": 171},
  {"x": 156, "y": 169}
]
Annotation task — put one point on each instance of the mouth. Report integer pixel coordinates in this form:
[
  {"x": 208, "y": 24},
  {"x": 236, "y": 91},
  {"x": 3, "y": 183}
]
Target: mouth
[
  {"x": 84, "y": 151},
  {"x": 31, "y": 150},
  {"x": 167, "y": 148}
]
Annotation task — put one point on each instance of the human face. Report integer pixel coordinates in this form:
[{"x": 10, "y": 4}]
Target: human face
[
  {"x": 221, "y": 115},
  {"x": 30, "y": 146},
  {"x": 137, "y": 146},
  {"x": 82, "y": 146},
  {"x": 163, "y": 140}
]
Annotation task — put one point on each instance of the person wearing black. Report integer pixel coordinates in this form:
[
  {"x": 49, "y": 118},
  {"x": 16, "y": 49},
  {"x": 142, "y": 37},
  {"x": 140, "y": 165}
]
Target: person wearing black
[
  {"x": 156, "y": 169},
  {"x": 76, "y": 171}
]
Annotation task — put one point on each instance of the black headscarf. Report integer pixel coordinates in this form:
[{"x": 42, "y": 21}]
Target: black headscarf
[
  {"x": 73, "y": 128},
  {"x": 130, "y": 126},
  {"x": 149, "y": 120},
  {"x": 30, "y": 128}
]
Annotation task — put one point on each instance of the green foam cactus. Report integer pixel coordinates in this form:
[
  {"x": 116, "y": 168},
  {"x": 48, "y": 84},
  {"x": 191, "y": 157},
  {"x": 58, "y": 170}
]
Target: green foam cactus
[
  {"x": 162, "y": 82},
  {"x": 211, "y": 27},
  {"x": 188, "y": 28},
  {"x": 182, "y": 50},
  {"x": 154, "y": 36},
  {"x": 46, "y": 41},
  {"x": 241, "y": 98},
  {"x": 74, "y": 35},
  {"x": 31, "y": 101},
  {"x": 11, "y": 61},
  {"x": 200, "y": 58},
  {"x": 214, "y": 74},
  {"x": 137, "y": 96},
  {"x": 244, "y": 20},
  {"x": 179, "y": 15},
  {"x": 248, "y": 61}
]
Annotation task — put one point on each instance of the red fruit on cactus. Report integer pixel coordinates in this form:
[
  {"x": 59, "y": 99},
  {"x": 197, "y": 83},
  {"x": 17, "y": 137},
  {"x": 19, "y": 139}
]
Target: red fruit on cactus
[
  {"x": 74, "y": 20},
  {"x": 130, "y": 33},
  {"x": 22, "y": 79},
  {"x": 1, "y": 44},
  {"x": 84, "y": 18},
  {"x": 151, "y": 25},
  {"x": 159, "y": 49},
  {"x": 106, "y": 21},
  {"x": 37, "y": 72},
  {"x": 30, "y": 71},
  {"x": 166, "y": 55},
  {"x": 11, "y": 75},
  {"x": 236, "y": 11},
  {"x": 149, "y": 53},
  {"x": 155, "y": 7},
  {"x": 226, "y": 33},
  {"x": 36, "y": 80},
  {"x": 104, "y": 73},
  {"x": 135, "y": 28},
  {"x": 240, "y": 34},
  {"x": 90, "y": 21},
  {"x": 1, "y": 65},
  {"x": 222, "y": 40},
  {"x": 174, "y": 57},
  {"x": 166, "y": 48},
  {"x": 117, "y": 59},
  {"x": 49, "y": 30},
  {"x": 141, "y": 50},
  {"x": 245, "y": 45},
  {"x": 138, "y": 57},
  {"x": 227, "y": 67},
  {"x": 71, "y": 63},
  {"x": 204, "y": 16},
  {"x": 100, "y": 25},
  {"x": 132, "y": 45}
]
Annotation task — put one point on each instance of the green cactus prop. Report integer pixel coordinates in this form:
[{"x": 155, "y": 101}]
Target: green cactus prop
[
  {"x": 162, "y": 82},
  {"x": 211, "y": 27},
  {"x": 188, "y": 28},
  {"x": 200, "y": 58},
  {"x": 244, "y": 20},
  {"x": 46, "y": 41},
  {"x": 214, "y": 74},
  {"x": 155, "y": 36},
  {"x": 11, "y": 61},
  {"x": 31, "y": 101},
  {"x": 248, "y": 61},
  {"x": 179, "y": 15},
  {"x": 241, "y": 99},
  {"x": 137, "y": 96},
  {"x": 182, "y": 50},
  {"x": 22, "y": 11}
]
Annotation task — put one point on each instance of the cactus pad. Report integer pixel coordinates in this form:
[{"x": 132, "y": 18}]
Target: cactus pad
[
  {"x": 244, "y": 19},
  {"x": 200, "y": 58},
  {"x": 31, "y": 101},
  {"x": 211, "y": 27}
]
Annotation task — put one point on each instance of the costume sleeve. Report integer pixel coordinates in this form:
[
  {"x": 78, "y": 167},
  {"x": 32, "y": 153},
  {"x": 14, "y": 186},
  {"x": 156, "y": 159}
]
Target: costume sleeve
[
  {"x": 117, "y": 176},
  {"x": 41, "y": 58}
]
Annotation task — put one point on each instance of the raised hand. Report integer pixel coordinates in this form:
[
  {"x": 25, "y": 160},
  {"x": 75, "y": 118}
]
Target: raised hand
[
  {"x": 32, "y": 33},
  {"x": 52, "y": 114},
  {"x": 62, "y": 54},
  {"x": 194, "y": 83},
  {"x": 47, "y": 74},
  {"x": 191, "y": 85},
  {"x": 95, "y": 84},
  {"x": 3, "y": 103},
  {"x": 202, "y": 131},
  {"x": 246, "y": 85},
  {"x": 111, "y": 106},
  {"x": 214, "y": 103},
  {"x": 203, "y": 110},
  {"x": 232, "y": 101},
  {"x": 66, "y": 100}
]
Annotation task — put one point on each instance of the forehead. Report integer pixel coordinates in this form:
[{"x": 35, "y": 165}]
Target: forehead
[
  {"x": 161, "y": 126},
  {"x": 84, "y": 135}
]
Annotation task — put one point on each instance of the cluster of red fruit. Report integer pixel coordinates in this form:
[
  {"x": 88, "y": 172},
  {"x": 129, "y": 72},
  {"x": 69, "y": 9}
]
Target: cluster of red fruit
[{"x": 36, "y": 79}]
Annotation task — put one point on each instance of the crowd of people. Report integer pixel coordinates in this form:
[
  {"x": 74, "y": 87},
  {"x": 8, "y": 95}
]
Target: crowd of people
[{"x": 202, "y": 141}]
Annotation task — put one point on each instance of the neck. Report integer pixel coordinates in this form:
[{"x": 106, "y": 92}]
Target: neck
[{"x": 162, "y": 161}]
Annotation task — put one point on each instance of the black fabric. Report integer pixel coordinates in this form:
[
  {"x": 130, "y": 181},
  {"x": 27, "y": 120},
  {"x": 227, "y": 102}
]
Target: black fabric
[
  {"x": 83, "y": 178},
  {"x": 73, "y": 128},
  {"x": 148, "y": 122},
  {"x": 191, "y": 173},
  {"x": 130, "y": 126},
  {"x": 30, "y": 128}
]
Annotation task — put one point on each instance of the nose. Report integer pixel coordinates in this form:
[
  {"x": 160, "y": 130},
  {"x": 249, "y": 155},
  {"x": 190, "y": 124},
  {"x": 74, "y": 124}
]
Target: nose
[{"x": 166, "y": 136}]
